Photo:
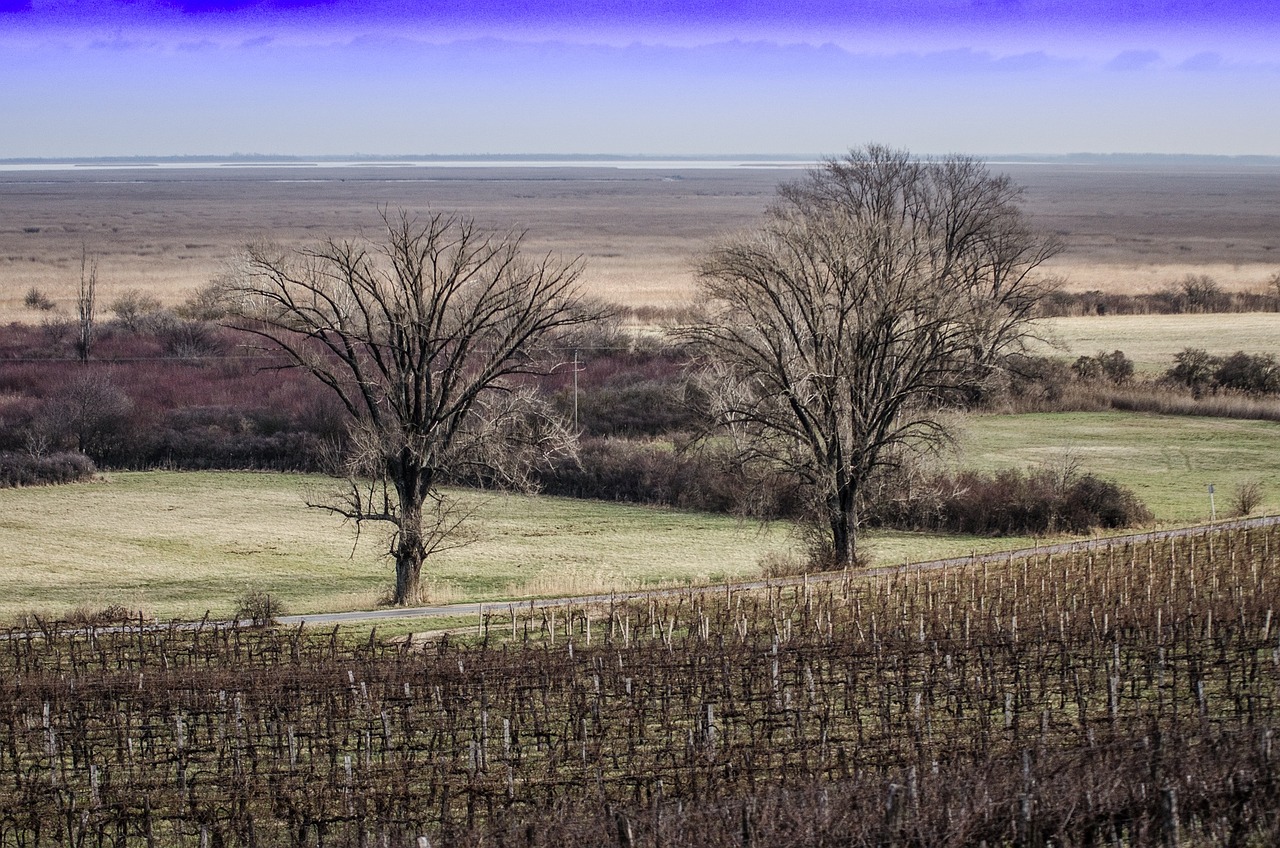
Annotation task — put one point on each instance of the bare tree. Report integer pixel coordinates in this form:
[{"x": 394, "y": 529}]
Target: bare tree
[
  {"x": 878, "y": 288},
  {"x": 86, "y": 304},
  {"x": 423, "y": 337},
  {"x": 90, "y": 414}
]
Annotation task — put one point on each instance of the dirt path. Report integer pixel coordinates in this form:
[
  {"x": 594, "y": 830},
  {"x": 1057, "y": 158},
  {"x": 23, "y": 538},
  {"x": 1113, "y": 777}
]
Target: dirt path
[{"x": 477, "y": 608}]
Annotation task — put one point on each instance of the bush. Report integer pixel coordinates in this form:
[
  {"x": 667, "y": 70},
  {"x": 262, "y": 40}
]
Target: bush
[
  {"x": 36, "y": 299},
  {"x": 775, "y": 564},
  {"x": 132, "y": 307},
  {"x": 1114, "y": 366},
  {"x": 1036, "y": 378},
  {"x": 1254, "y": 374},
  {"x": 1193, "y": 368},
  {"x": 113, "y": 614},
  {"x": 259, "y": 608},
  {"x": 1010, "y": 503},
  {"x": 208, "y": 302},
  {"x": 1201, "y": 293},
  {"x": 1246, "y": 498},
  {"x": 657, "y": 473},
  {"x": 17, "y": 469},
  {"x": 1189, "y": 295}
]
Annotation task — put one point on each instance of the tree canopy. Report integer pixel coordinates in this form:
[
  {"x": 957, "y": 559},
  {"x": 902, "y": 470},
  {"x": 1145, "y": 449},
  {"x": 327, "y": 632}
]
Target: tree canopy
[
  {"x": 878, "y": 288},
  {"x": 423, "y": 336}
]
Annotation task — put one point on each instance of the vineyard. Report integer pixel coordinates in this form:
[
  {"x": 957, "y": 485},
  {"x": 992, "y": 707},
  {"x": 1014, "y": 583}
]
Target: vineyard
[{"x": 1122, "y": 696}]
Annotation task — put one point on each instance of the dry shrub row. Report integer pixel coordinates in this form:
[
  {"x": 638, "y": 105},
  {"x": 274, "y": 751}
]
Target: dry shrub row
[
  {"x": 24, "y": 469},
  {"x": 663, "y": 474},
  {"x": 1194, "y": 293},
  {"x": 1008, "y": 503}
]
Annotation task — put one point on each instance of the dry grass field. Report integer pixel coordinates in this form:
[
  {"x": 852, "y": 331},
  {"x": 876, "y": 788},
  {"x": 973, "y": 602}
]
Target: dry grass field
[
  {"x": 1151, "y": 341},
  {"x": 166, "y": 231}
]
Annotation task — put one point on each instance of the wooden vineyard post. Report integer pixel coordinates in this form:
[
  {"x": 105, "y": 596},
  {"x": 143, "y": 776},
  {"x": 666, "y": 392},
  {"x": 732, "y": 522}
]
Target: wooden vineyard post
[{"x": 1169, "y": 817}]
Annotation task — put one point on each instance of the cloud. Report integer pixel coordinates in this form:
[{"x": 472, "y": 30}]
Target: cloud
[
  {"x": 1207, "y": 61},
  {"x": 1133, "y": 60}
]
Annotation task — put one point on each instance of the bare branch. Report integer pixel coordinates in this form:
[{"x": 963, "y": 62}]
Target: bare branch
[
  {"x": 421, "y": 336},
  {"x": 878, "y": 288}
]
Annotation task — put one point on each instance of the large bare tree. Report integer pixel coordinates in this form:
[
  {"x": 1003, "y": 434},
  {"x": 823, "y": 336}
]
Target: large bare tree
[
  {"x": 422, "y": 335},
  {"x": 877, "y": 288}
]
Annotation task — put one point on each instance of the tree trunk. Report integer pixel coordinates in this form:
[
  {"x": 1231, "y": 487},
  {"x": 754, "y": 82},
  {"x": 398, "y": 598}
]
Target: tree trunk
[
  {"x": 843, "y": 515},
  {"x": 409, "y": 554}
]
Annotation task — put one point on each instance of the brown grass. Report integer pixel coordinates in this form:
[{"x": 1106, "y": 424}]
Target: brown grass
[
  {"x": 1152, "y": 340},
  {"x": 639, "y": 230}
]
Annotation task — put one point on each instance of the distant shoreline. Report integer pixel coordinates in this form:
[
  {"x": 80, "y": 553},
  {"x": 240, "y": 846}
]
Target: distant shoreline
[{"x": 692, "y": 161}]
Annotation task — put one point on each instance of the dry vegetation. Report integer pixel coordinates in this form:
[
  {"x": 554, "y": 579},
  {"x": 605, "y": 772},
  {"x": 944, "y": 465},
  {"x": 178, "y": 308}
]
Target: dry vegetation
[
  {"x": 1125, "y": 696},
  {"x": 165, "y": 232},
  {"x": 1151, "y": 341}
]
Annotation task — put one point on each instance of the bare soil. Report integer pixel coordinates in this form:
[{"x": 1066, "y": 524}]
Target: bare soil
[{"x": 167, "y": 231}]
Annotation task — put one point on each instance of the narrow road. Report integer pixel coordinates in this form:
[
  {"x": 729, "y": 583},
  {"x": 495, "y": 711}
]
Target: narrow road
[{"x": 477, "y": 608}]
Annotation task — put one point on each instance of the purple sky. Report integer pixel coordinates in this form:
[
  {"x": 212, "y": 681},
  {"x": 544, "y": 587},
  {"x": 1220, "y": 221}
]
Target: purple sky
[{"x": 144, "y": 77}]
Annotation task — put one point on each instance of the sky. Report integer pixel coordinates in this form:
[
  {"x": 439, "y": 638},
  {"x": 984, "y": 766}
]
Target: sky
[{"x": 637, "y": 77}]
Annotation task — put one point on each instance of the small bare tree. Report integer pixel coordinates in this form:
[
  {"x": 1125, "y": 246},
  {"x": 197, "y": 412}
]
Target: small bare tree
[
  {"x": 423, "y": 337},
  {"x": 878, "y": 287},
  {"x": 86, "y": 304},
  {"x": 1246, "y": 498}
]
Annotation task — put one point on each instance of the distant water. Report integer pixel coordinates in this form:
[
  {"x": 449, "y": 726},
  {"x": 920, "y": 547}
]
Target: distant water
[{"x": 620, "y": 164}]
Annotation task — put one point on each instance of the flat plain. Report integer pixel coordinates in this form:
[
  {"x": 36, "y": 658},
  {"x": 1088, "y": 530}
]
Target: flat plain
[{"x": 1124, "y": 228}]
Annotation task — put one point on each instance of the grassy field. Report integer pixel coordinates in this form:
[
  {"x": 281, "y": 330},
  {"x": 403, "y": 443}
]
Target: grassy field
[
  {"x": 1168, "y": 460},
  {"x": 177, "y": 544},
  {"x": 1152, "y": 340}
]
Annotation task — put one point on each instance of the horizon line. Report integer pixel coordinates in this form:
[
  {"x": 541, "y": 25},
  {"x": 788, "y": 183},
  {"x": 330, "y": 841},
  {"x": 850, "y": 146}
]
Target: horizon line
[{"x": 356, "y": 158}]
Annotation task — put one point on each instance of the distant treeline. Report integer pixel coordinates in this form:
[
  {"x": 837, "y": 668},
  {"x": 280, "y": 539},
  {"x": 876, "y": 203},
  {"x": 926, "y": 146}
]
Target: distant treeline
[{"x": 1196, "y": 293}]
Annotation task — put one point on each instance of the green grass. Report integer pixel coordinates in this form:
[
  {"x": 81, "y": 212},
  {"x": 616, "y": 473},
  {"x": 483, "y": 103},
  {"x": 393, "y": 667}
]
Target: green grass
[
  {"x": 1169, "y": 461},
  {"x": 176, "y": 544},
  {"x": 180, "y": 544},
  {"x": 1152, "y": 340}
]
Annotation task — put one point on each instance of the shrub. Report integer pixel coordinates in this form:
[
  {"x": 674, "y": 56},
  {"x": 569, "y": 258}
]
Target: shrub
[
  {"x": 1009, "y": 503},
  {"x": 259, "y": 608},
  {"x": 1176, "y": 299},
  {"x": 17, "y": 469},
  {"x": 1255, "y": 374},
  {"x": 1193, "y": 368},
  {"x": 1087, "y": 369},
  {"x": 132, "y": 307},
  {"x": 113, "y": 614},
  {"x": 1114, "y": 366},
  {"x": 191, "y": 340},
  {"x": 774, "y": 564},
  {"x": 206, "y": 303},
  {"x": 1246, "y": 498},
  {"x": 634, "y": 408},
  {"x": 1201, "y": 293},
  {"x": 658, "y": 473},
  {"x": 36, "y": 299},
  {"x": 1036, "y": 377}
]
